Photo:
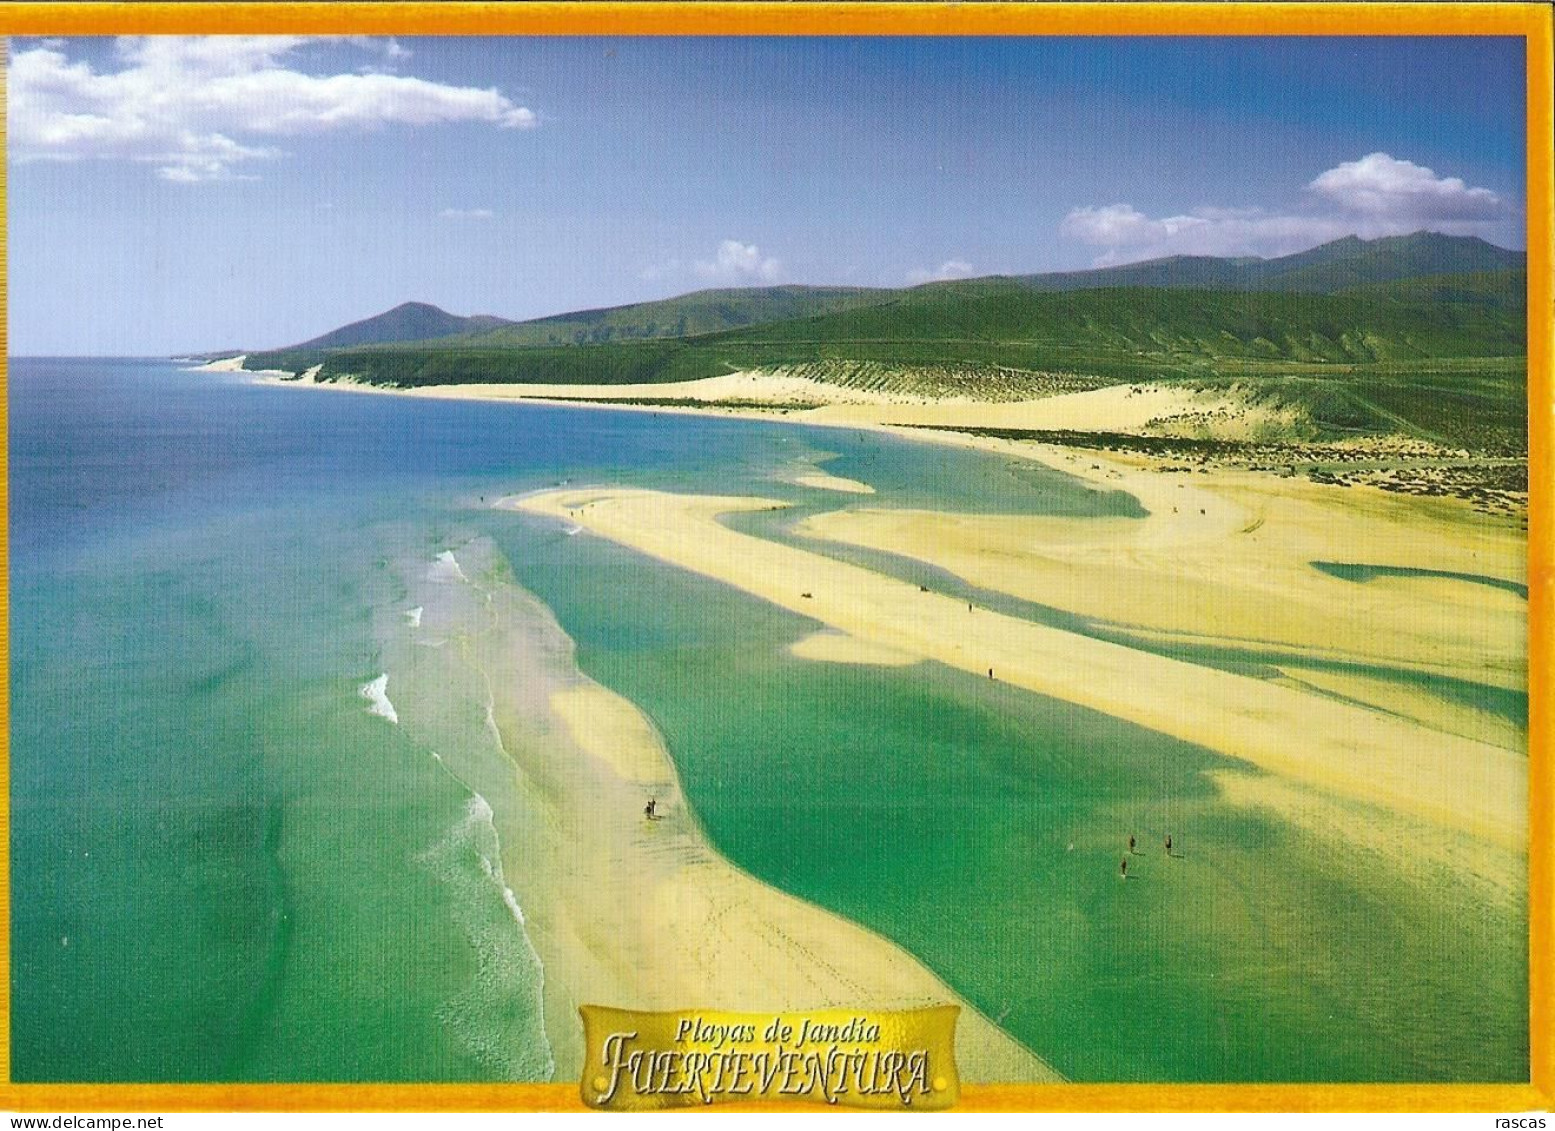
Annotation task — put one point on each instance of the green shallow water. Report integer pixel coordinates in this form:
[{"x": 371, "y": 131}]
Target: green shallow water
[
  {"x": 223, "y": 868},
  {"x": 981, "y": 827},
  {"x": 224, "y": 851}
]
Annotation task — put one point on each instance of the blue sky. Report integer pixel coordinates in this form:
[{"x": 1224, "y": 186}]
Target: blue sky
[{"x": 172, "y": 195}]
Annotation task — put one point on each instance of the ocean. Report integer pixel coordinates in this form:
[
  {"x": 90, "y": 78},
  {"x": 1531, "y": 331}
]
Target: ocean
[{"x": 262, "y": 830}]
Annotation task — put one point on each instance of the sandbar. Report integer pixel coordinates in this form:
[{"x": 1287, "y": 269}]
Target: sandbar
[
  {"x": 643, "y": 913},
  {"x": 1326, "y": 744}
]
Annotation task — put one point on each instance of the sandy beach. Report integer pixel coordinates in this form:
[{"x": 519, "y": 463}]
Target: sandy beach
[
  {"x": 1430, "y": 786},
  {"x": 645, "y": 914},
  {"x": 1319, "y": 742},
  {"x": 1224, "y": 560}
]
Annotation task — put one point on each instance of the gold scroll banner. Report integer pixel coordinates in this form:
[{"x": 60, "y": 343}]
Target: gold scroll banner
[{"x": 879, "y": 1059}]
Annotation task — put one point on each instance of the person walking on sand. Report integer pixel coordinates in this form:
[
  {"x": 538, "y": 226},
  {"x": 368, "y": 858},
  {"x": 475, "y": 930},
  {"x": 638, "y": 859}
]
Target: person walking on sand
[{"x": 649, "y": 810}]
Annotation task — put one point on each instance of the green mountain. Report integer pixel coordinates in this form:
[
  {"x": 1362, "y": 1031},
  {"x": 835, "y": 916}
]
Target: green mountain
[
  {"x": 1351, "y": 262},
  {"x": 701, "y": 312},
  {"x": 408, "y": 322},
  {"x": 1329, "y": 267},
  {"x": 1038, "y": 329},
  {"x": 1336, "y": 266},
  {"x": 1118, "y": 334}
]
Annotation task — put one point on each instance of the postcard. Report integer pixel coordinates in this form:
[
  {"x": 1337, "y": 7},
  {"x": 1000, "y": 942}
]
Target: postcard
[{"x": 891, "y": 557}]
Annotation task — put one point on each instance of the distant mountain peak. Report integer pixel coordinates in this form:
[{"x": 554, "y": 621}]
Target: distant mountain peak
[
  {"x": 1344, "y": 262},
  {"x": 407, "y": 322}
]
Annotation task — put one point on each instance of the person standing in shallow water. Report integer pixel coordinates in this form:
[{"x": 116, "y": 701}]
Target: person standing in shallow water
[
  {"x": 1168, "y": 844},
  {"x": 1123, "y": 867}
]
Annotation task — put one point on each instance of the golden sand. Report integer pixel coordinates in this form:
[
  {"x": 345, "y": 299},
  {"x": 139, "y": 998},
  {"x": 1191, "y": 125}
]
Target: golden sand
[
  {"x": 1227, "y": 561},
  {"x": 1319, "y": 742},
  {"x": 644, "y": 914},
  {"x": 620, "y": 909},
  {"x": 1118, "y": 408},
  {"x": 609, "y": 727}
]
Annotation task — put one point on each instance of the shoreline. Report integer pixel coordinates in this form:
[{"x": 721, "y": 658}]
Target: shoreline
[
  {"x": 612, "y": 897},
  {"x": 632, "y": 912},
  {"x": 1357, "y": 754},
  {"x": 1173, "y": 426},
  {"x": 1257, "y": 515}
]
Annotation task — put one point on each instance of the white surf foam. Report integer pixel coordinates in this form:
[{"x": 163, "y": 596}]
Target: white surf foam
[
  {"x": 414, "y": 616},
  {"x": 446, "y": 569},
  {"x": 512, "y": 901},
  {"x": 478, "y": 812},
  {"x": 499, "y": 1016},
  {"x": 376, "y": 693}
]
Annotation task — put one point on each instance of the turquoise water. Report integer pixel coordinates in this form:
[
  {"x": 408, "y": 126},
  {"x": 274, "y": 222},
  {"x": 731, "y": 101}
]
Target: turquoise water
[
  {"x": 982, "y": 827},
  {"x": 222, "y": 866},
  {"x": 225, "y": 868}
]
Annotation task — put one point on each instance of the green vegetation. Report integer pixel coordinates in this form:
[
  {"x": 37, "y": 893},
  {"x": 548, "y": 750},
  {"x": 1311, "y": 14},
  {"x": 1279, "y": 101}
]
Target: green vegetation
[
  {"x": 702, "y": 312},
  {"x": 1444, "y": 371},
  {"x": 1117, "y": 334},
  {"x": 653, "y": 362},
  {"x": 1422, "y": 336},
  {"x": 1334, "y": 266},
  {"x": 1172, "y": 327}
]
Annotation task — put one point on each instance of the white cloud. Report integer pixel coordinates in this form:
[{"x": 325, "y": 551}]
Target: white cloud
[
  {"x": 1128, "y": 235},
  {"x": 207, "y": 108},
  {"x": 466, "y": 214},
  {"x": 1381, "y": 185},
  {"x": 950, "y": 269},
  {"x": 738, "y": 262},
  {"x": 1378, "y": 195},
  {"x": 1110, "y": 225}
]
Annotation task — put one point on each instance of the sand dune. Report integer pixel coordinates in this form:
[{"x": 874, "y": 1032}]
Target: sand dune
[{"x": 755, "y": 393}]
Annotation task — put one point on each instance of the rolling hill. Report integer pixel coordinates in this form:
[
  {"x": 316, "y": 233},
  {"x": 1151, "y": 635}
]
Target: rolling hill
[
  {"x": 1121, "y": 334},
  {"x": 701, "y": 312}
]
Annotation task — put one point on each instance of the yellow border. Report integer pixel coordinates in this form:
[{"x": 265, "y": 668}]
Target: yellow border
[
  {"x": 698, "y": 17},
  {"x": 1531, "y": 21}
]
